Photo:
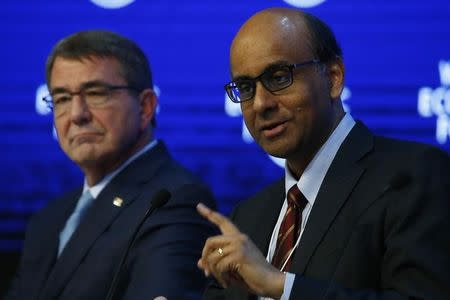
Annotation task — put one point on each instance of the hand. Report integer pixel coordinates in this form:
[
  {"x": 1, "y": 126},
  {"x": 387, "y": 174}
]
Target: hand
[
  {"x": 160, "y": 298},
  {"x": 232, "y": 258}
]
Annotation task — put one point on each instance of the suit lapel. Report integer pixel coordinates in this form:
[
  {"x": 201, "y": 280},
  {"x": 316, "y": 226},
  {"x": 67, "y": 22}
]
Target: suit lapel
[
  {"x": 49, "y": 243},
  {"x": 268, "y": 216},
  {"x": 340, "y": 180},
  {"x": 269, "y": 212},
  {"x": 126, "y": 186},
  {"x": 257, "y": 218}
]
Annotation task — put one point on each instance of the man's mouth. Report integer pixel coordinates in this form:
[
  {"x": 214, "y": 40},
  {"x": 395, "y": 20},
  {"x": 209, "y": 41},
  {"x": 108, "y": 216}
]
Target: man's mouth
[{"x": 274, "y": 129}]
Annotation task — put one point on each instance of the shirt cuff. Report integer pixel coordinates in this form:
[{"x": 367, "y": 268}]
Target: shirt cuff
[{"x": 288, "y": 283}]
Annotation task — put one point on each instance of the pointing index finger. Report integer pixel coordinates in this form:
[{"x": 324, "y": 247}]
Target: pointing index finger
[{"x": 224, "y": 224}]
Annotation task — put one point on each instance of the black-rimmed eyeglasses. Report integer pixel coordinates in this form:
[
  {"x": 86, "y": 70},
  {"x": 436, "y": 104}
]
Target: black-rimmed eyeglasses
[
  {"x": 94, "y": 95},
  {"x": 274, "y": 78}
]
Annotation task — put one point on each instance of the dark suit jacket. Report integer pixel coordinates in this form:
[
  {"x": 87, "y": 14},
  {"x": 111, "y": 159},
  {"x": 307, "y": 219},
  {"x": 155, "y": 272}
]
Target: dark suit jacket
[
  {"x": 163, "y": 260},
  {"x": 379, "y": 227}
]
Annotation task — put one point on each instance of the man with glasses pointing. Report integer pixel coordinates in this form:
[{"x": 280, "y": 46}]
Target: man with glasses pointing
[
  {"x": 356, "y": 216},
  {"x": 102, "y": 97}
]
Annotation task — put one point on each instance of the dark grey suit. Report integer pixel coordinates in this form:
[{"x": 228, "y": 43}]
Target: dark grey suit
[
  {"x": 378, "y": 228},
  {"x": 163, "y": 260}
]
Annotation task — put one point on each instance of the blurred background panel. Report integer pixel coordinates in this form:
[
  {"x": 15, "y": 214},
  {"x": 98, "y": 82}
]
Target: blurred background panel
[{"x": 397, "y": 56}]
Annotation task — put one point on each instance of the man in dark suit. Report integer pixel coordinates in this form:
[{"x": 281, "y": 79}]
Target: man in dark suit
[
  {"x": 356, "y": 216},
  {"x": 104, "y": 108}
]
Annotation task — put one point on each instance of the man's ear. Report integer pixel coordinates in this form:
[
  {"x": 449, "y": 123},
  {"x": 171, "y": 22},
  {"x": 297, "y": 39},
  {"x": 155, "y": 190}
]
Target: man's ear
[
  {"x": 148, "y": 102},
  {"x": 336, "y": 76}
]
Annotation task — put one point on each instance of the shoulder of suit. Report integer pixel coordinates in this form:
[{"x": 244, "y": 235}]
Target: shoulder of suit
[
  {"x": 52, "y": 208},
  {"x": 259, "y": 199},
  {"x": 405, "y": 148},
  {"x": 59, "y": 202}
]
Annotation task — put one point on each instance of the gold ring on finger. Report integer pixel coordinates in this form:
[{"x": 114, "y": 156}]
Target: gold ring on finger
[{"x": 220, "y": 250}]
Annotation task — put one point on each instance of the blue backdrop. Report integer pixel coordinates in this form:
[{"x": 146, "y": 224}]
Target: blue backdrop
[{"x": 398, "y": 82}]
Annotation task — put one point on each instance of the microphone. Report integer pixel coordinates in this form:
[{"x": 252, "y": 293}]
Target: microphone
[
  {"x": 159, "y": 199},
  {"x": 397, "y": 182}
]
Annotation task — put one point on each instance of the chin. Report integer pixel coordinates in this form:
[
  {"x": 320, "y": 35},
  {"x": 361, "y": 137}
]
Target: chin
[
  {"x": 279, "y": 151},
  {"x": 85, "y": 161},
  {"x": 82, "y": 158}
]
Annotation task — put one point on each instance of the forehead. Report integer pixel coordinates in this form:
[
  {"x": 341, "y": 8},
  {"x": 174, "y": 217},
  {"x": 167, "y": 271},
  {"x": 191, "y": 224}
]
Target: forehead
[
  {"x": 73, "y": 72},
  {"x": 264, "y": 41}
]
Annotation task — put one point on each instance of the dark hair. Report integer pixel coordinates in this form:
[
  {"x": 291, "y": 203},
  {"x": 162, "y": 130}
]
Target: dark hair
[
  {"x": 134, "y": 64},
  {"x": 324, "y": 44}
]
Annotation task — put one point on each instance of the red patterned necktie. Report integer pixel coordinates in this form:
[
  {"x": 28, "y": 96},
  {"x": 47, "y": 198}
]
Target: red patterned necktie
[{"x": 289, "y": 229}]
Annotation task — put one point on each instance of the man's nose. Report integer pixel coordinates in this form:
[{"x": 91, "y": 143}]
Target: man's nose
[
  {"x": 79, "y": 110},
  {"x": 263, "y": 100}
]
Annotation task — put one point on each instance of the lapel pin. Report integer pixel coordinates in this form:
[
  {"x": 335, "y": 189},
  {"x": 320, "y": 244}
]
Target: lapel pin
[{"x": 118, "y": 201}]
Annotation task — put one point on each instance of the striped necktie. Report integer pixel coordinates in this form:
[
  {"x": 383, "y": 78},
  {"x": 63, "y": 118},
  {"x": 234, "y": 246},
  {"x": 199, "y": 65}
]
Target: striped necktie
[
  {"x": 73, "y": 221},
  {"x": 289, "y": 229}
]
